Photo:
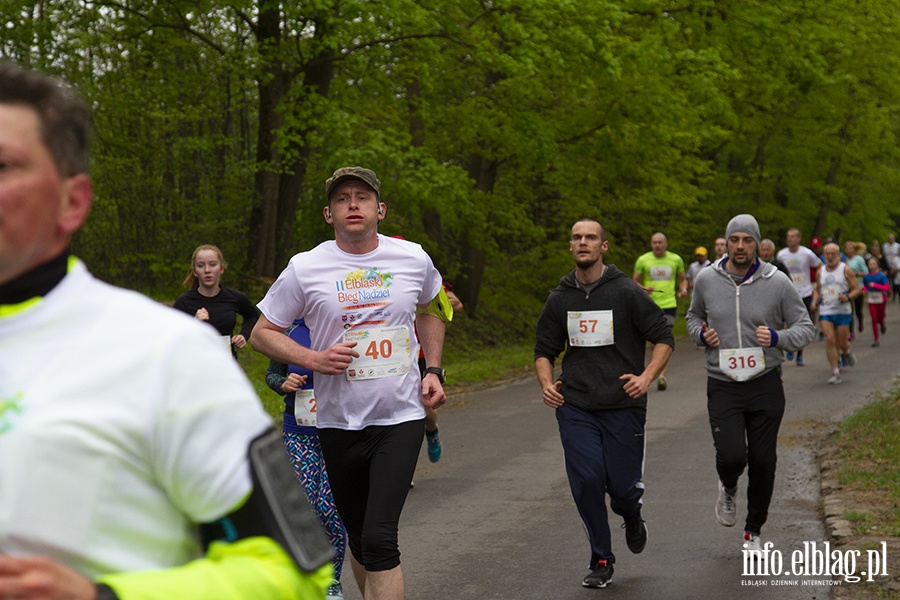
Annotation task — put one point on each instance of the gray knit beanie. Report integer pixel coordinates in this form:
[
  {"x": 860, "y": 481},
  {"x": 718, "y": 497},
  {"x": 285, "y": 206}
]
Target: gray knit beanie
[{"x": 743, "y": 224}]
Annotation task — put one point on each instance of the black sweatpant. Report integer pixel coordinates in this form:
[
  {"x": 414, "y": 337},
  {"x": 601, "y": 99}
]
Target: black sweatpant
[{"x": 744, "y": 418}]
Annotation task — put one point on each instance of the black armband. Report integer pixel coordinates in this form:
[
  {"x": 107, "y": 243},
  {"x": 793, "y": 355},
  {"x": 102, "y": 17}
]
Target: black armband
[
  {"x": 277, "y": 508},
  {"x": 104, "y": 592}
]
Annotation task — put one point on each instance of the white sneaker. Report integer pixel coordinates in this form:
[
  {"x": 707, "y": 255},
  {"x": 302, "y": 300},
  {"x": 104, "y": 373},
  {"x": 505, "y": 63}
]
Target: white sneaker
[
  {"x": 725, "y": 506},
  {"x": 335, "y": 592},
  {"x": 835, "y": 378},
  {"x": 851, "y": 359},
  {"x": 752, "y": 545}
]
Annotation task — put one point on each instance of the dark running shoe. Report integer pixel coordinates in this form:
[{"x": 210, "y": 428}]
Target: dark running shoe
[
  {"x": 635, "y": 533},
  {"x": 600, "y": 576}
]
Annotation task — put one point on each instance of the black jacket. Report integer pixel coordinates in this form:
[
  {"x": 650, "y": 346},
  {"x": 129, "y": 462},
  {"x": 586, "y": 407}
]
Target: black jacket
[
  {"x": 590, "y": 375},
  {"x": 223, "y": 309}
]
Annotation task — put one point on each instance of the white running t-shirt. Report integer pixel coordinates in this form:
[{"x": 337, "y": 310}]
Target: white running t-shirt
[
  {"x": 799, "y": 264},
  {"x": 370, "y": 299},
  {"x": 123, "y": 424}
]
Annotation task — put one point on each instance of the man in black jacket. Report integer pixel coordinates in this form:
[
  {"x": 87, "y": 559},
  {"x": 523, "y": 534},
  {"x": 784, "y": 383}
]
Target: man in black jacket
[{"x": 603, "y": 321}]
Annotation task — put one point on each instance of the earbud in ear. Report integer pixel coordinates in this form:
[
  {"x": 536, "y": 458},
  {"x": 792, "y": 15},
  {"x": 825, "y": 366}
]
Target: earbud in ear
[
  {"x": 327, "y": 213},
  {"x": 381, "y": 211}
]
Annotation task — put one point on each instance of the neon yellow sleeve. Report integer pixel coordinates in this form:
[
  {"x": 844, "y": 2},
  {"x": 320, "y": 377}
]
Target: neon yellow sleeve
[
  {"x": 439, "y": 307},
  {"x": 253, "y": 567}
]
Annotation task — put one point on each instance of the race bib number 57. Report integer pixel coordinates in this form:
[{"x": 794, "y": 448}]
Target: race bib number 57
[{"x": 590, "y": 328}]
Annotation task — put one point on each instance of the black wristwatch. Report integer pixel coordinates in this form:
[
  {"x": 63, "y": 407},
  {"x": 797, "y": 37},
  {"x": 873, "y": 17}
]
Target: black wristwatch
[{"x": 437, "y": 371}]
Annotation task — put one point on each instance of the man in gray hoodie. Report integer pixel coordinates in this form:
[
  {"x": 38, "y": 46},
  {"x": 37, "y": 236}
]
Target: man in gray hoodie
[{"x": 746, "y": 312}]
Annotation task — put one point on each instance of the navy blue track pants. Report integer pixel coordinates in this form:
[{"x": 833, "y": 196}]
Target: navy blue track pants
[{"x": 604, "y": 453}]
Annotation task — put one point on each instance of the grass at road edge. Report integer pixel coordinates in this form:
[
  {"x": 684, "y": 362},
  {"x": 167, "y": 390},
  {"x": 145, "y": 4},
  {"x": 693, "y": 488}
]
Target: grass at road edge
[
  {"x": 866, "y": 448},
  {"x": 869, "y": 442}
]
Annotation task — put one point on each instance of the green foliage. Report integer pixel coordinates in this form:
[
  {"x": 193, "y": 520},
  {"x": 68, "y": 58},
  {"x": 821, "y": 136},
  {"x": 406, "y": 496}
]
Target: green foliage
[
  {"x": 468, "y": 367},
  {"x": 869, "y": 443},
  {"x": 255, "y": 365}
]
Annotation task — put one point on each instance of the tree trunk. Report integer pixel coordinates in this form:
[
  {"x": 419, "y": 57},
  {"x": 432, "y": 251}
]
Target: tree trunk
[
  {"x": 317, "y": 77},
  {"x": 278, "y": 185},
  {"x": 484, "y": 172},
  {"x": 272, "y": 87}
]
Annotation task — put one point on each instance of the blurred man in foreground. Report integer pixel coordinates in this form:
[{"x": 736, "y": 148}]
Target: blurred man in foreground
[{"x": 125, "y": 427}]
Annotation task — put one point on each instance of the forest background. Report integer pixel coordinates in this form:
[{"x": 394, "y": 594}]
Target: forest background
[{"x": 492, "y": 124}]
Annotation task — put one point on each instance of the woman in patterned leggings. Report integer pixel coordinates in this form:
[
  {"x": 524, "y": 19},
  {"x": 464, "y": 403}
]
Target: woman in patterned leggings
[{"x": 301, "y": 440}]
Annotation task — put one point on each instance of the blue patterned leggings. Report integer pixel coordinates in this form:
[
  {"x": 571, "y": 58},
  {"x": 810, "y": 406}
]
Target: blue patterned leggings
[{"x": 306, "y": 456}]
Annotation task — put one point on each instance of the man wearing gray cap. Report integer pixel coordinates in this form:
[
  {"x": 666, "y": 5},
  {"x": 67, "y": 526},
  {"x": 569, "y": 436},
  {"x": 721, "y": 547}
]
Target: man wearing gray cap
[
  {"x": 361, "y": 295},
  {"x": 745, "y": 312}
]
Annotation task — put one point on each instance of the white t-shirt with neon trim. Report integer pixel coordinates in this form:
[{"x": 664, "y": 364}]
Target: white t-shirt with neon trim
[
  {"x": 370, "y": 297},
  {"x": 122, "y": 424}
]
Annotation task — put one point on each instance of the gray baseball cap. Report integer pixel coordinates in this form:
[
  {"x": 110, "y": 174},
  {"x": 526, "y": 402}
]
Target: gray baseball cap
[{"x": 344, "y": 173}]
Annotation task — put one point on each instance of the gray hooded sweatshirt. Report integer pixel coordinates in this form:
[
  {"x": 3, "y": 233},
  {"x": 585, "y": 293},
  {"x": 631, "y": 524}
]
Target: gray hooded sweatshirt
[{"x": 767, "y": 297}]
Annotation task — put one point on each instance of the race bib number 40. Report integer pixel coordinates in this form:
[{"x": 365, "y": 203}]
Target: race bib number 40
[
  {"x": 741, "y": 364},
  {"x": 383, "y": 352},
  {"x": 591, "y": 328}
]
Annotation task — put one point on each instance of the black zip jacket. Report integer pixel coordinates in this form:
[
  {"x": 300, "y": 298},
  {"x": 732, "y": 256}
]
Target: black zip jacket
[{"x": 590, "y": 375}]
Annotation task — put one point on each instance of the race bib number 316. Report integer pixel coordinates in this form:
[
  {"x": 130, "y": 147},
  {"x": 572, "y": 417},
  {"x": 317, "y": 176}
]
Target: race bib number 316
[
  {"x": 741, "y": 364},
  {"x": 590, "y": 328}
]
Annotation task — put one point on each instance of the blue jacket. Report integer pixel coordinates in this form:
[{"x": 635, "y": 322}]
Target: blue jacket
[{"x": 278, "y": 372}]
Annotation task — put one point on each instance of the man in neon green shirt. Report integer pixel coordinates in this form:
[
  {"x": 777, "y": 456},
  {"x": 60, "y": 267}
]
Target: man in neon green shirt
[{"x": 659, "y": 272}]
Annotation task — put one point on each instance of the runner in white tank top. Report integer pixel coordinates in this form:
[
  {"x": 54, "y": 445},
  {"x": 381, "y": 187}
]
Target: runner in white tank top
[{"x": 836, "y": 287}]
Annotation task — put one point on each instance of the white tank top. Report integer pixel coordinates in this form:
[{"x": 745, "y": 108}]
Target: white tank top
[{"x": 833, "y": 284}]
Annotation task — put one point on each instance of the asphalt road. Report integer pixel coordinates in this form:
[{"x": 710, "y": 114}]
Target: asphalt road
[{"x": 494, "y": 519}]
